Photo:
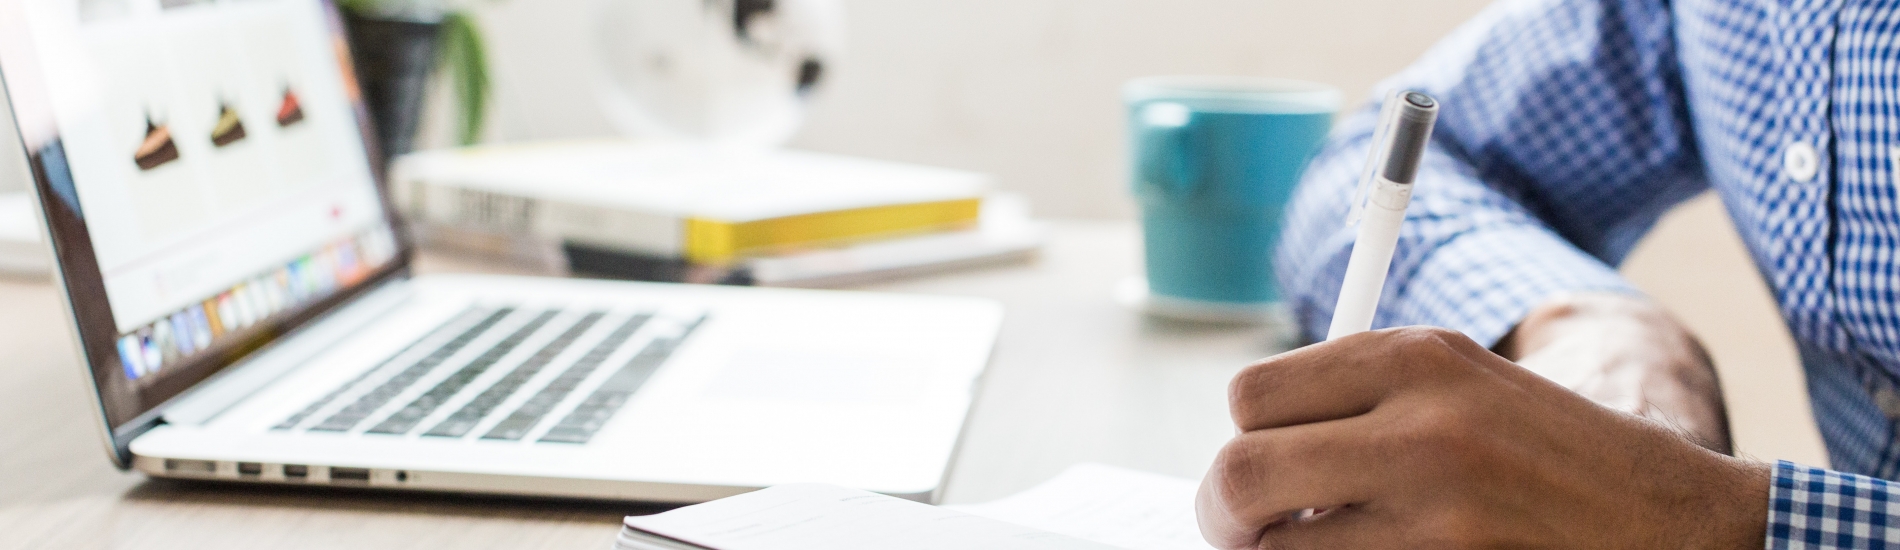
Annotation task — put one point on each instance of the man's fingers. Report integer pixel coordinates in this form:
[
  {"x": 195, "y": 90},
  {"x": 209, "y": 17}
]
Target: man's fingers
[
  {"x": 1340, "y": 528},
  {"x": 1342, "y": 378},
  {"x": 1261, "y": 478}
]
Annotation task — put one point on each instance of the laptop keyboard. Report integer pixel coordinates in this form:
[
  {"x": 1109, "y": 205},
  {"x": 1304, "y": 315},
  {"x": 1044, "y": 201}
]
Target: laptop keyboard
[
  {"x": 349, "y": 416},
  {"x": 459, "y": 424},
  {"x": 375, "y": 398},
  {"x": 529, "y": 415},
  {"x": 592, "y": 413},
  {"x": 408, "y": 417}
]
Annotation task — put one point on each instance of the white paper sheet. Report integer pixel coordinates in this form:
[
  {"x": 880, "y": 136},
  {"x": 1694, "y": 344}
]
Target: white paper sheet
[
  {"x": 825, "y": 517},
  {"x": 1115, "y": 506}
]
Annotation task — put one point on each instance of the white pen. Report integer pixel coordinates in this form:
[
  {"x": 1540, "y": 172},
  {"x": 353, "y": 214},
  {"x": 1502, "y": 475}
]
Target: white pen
[{"x": 1385, "y": 190}]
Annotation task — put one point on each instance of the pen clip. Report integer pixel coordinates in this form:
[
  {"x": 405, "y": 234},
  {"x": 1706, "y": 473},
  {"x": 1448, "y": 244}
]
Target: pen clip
[{"x": 1375, "y": 156}]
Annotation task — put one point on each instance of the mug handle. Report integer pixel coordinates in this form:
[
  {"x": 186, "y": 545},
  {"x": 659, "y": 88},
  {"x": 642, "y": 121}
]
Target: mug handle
[{"x": 1165, "y": 160}]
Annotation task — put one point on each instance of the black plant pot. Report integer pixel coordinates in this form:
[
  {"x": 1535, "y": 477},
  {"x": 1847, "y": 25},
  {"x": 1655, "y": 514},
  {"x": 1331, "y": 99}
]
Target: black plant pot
[{"x": 393, "y": 62}]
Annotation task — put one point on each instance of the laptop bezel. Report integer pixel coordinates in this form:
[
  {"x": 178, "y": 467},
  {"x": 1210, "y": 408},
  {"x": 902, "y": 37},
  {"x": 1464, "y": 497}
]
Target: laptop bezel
[{"x": 123, "y": 411}]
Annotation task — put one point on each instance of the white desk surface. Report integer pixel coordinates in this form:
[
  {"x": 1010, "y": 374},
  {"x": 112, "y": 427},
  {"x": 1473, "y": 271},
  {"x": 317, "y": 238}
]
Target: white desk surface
[{"x": 1075, "y": 378}]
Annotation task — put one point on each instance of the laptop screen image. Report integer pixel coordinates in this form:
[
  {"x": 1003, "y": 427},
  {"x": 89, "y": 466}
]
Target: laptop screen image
[{"x": 203, "y": 171}]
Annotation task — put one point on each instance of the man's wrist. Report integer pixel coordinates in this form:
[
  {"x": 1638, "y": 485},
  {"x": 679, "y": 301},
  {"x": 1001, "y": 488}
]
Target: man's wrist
[{"x": 1739, "y": 506}]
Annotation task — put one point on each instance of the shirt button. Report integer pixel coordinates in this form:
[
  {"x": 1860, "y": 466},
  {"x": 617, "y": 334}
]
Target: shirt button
[{"x": 1800, "y": 162}]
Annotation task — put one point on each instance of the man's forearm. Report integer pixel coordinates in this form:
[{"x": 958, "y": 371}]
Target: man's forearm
[{"x": 1625, "y": 352}]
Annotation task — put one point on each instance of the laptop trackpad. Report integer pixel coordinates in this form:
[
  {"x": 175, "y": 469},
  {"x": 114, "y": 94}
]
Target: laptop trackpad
[{"x": 815, "y": 375}]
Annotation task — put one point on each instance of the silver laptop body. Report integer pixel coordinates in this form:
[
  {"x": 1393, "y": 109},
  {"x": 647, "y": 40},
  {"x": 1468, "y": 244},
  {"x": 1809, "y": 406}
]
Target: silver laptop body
[{"x": 239, "y": 291}]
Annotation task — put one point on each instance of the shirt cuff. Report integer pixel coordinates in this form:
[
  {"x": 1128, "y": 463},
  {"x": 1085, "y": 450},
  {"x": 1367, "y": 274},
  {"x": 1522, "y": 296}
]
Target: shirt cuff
[
  {"x": 1484, "y": 281},
  {"x": 1814, "y": 508}
]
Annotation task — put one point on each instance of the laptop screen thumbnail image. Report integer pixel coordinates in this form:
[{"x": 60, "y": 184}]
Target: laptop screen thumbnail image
[{"x": 203, "y": 170}]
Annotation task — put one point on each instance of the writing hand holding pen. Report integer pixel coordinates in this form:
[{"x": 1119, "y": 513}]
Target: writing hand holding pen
[{"x": 1421, "y": 438}]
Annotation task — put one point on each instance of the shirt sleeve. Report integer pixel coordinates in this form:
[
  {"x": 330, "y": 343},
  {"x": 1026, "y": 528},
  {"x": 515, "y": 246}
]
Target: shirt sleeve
[
  {"x": 1563, "y": 136},
  {"x": 1818, "y": 509}
]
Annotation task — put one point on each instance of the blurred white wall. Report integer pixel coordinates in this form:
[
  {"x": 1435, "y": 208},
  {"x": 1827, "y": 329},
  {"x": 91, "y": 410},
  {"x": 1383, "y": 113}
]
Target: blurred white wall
[
  {"x": 1026, "y": 90},
  {"x": 14, "y": 174}
]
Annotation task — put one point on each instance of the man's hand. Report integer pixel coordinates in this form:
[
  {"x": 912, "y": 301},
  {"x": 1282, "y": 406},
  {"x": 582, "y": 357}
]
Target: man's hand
[{"x": 1422, "y": 438}]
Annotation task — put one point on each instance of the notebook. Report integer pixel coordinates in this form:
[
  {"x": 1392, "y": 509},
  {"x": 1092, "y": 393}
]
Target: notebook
[{"x": 1090, "y": 506}]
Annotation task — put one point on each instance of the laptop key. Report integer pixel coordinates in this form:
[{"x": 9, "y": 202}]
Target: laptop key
[
  {"x": 524, "y": 418},
  {"x": 406, "y": 418},
  {"x": 317, "y": 405},
  {"x": 580, "y": 425},
  {"x": 465, "y": 419},
  {"x": 346, "y": 419}
]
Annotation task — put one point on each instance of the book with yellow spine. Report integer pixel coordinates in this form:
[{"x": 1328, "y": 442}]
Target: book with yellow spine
[{"x": 702, "y": 204}]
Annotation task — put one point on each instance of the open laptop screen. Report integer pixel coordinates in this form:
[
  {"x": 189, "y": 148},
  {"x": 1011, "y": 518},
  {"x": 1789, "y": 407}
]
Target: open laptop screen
[{"x": 203, "y": 170}]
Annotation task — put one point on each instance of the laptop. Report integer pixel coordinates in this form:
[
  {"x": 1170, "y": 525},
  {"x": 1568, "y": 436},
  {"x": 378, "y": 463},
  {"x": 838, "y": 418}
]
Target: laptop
[{"x": 239, "y": 289}]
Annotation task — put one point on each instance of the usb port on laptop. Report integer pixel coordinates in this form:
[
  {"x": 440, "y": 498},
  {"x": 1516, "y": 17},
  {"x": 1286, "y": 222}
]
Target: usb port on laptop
[
  {"x": 357, "y": 475},
  {"x": 194, "y": 467}
]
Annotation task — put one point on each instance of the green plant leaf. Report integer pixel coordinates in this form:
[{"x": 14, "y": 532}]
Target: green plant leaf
[
  {"x": 359, "y": 7},
  {"x": 466, "y": 61}
]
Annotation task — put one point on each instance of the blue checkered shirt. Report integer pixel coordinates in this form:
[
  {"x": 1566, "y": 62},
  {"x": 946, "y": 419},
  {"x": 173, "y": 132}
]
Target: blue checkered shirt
[{"x": 1570, "y": 126}]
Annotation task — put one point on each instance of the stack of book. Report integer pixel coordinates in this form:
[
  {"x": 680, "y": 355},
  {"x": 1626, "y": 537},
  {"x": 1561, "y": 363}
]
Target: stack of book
[{"x": 690, "y": 213}]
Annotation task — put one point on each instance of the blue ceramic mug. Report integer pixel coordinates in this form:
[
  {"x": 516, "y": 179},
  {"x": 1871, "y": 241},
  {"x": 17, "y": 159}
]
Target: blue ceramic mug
[{"x": 1214, "y": 160}]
